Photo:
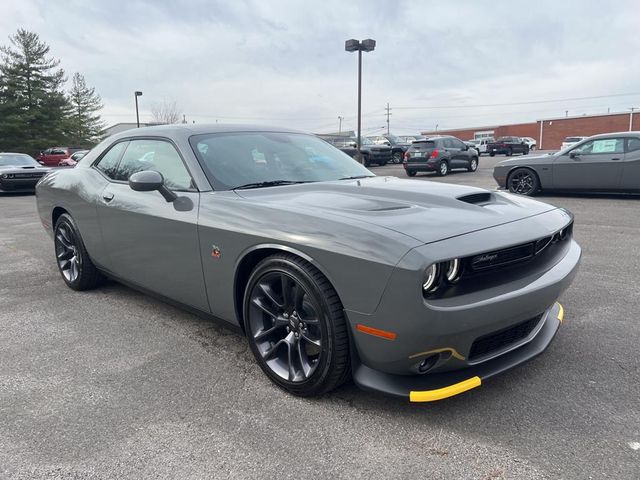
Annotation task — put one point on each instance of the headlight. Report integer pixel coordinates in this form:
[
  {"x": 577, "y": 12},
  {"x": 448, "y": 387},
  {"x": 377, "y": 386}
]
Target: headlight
[
  {"x": 431, "y": 277},
  {"x": 453, "y": 270},
  {"x": 4, "y": 175},
  {"x": 447, "y": 272}
]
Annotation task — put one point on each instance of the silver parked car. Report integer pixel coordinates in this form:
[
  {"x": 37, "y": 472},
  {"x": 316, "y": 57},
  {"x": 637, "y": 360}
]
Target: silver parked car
[
  {"x": 602, "y": 163},
  {"x": 418, "y": 289}
]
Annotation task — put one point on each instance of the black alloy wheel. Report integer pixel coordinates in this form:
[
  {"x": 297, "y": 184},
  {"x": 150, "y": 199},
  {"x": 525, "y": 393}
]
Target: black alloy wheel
[
  {"x": 411, "y": 173},
  {"x": 296, "y": 327},
  {"x": 523, "y": 182},
  {"x": 76, "y": 268},
  {"x": 397, "y": 157}
]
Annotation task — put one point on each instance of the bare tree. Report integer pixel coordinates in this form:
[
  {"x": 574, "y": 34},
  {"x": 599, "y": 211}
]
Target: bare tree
[{"x": 165, "y": 112}]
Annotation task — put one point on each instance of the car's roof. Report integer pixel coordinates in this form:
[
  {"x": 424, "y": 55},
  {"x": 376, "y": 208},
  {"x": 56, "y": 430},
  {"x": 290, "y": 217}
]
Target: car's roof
[
  {"x": 607, "y": 135},
  {"x": 200, "y": 128}
]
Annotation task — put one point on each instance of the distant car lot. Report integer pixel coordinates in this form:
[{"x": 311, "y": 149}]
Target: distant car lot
[{"x": 112, "y": 383}]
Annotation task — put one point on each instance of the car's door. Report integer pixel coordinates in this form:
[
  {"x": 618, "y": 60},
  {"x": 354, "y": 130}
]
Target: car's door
[
  {"x": 149, "y": 241},
  {"x": 463, "y": 154},
  {"x": 631, "y": 166},
  {"x": 593, "y": 165},
  {"x": 453, "y": 151}
]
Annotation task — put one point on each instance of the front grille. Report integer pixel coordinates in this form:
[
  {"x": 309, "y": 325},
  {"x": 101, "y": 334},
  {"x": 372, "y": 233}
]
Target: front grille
[
  {"x": 27, "y": 175},
  {"x": 503, "y": 338},
  {"x": 501, "y": 257}
]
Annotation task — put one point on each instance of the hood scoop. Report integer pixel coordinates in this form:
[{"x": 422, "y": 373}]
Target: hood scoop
[{"x": 483, "y": 198}]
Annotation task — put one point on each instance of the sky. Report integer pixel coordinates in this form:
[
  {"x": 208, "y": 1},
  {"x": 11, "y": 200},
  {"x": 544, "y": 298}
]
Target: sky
[{"x": 438, "y": 64}]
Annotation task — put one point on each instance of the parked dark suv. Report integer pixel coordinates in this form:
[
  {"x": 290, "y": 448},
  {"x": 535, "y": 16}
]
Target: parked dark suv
[
  {"x": 398, "y": 146},
  {"x": 508, "y": 146},
  {"x": 371, "y": 153},
  {"x": 439, "y": 154}
]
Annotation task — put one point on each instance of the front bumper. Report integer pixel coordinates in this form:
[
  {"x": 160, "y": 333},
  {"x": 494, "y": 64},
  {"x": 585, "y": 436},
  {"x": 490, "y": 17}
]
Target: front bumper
[{"x": 437, "y": 386}]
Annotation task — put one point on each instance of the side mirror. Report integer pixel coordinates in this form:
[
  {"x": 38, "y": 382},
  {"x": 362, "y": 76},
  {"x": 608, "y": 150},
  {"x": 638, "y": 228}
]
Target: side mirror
[
  {"x": 41, "y": 162},
  {"x": 149, "y": 181},
  {"x": 573, "y": 154}
]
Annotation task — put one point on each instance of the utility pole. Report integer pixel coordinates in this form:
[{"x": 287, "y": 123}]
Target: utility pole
[
  {"x": 566, "y": 113},
  {"x": 340, "y": 118},
  {"x": 184, "y": 118},
  {"x": 388, "y": 109},
  {"x": 631, "y": 118}
]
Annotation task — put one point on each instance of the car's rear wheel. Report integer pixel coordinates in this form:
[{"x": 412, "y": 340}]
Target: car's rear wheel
[
  {"x": 523, "y": 181},
  {"x": 411, "y": 173},
  {"x": 397, "y": 157},
  {"x": 76, "y": 268},
  {"x": 492, "y": 154},
  {"x": 443, "y": 168},
  {"x": 473, "y": 165},
  {"x": 509, "y": 152},
  {"x": 296, "y": 327}
]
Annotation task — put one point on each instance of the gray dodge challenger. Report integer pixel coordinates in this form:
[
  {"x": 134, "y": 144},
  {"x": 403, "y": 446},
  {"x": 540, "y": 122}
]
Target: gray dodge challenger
[
  {"x": 602, "y": 163},
  {"x": 416, "y": 289}
]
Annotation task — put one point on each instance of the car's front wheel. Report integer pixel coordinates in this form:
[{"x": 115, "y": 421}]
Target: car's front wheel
[
  {"x": 523, "y": 181},
  {"x": 397, "y": 157},
  {"x": 76, "y": 268},
  {"x": 296, "y": 326},
  {"x": 411, "y": 173},
  {"x": 473, "y": 165}
]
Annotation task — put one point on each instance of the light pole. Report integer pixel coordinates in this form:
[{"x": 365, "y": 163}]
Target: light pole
[
  {"x": 137, "y": 94},
  {"x": 631, "y": 118},
  {"x": 354, "y": 45},
  {"x": 340, "y": 117}
]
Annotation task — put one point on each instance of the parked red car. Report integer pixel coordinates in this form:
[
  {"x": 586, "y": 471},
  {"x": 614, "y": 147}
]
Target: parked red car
[{"x": 51, "y": 157}]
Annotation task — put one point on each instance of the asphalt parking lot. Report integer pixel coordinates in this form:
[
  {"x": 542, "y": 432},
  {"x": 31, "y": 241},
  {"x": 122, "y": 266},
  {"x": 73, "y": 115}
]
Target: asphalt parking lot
[{"x": 112, "y": 383}]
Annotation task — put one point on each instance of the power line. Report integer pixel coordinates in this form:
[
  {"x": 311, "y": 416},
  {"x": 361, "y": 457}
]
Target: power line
[{"x": 518, "y": 103}]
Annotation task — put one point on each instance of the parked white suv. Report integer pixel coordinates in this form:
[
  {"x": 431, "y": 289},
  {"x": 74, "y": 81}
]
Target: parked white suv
[
  {"x": 530, "y": 142},
  {"x": 481, "y": 144},
  {"x": 570, "y": 141}
]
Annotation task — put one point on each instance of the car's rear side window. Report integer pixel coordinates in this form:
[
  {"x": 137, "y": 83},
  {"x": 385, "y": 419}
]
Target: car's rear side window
[
  {"x": 633, "y": 144},
  {"x": 109, "y": 161},
  {"x": 422, "y": 145}
]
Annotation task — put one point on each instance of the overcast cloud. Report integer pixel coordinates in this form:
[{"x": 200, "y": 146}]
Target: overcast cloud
[{"x": 283, "y": 62}]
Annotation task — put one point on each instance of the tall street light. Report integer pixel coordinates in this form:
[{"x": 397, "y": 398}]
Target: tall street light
[
  {"x": 136, "y": 95},
  {"x": 354, "y": 45}
]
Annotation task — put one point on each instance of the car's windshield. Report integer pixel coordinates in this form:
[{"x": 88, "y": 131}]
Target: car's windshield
[
  {"x": 365, "y": 141},
  {"x": 235, "y": 159},
  {"x": 573, "y": 139},
  {"x": 17, "y": 160},
  {"x": 503, "y": 139},
  {"x": 393, "y": 139}
]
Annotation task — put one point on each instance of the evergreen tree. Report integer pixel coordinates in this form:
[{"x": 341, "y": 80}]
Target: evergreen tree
[
  {"x": 33, "y": 106},
  {"x": 84, "y": 125}
]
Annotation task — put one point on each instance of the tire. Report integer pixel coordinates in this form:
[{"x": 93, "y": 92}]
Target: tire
[
  {"x": 75, "y": 265},
  {"x": 411, "y": 173},
  {"x": 296, "y": 326},
  {"x": 382, "y": 164},
  {"x": 533, "y": 147},
  {"x": 523, "y": 181},
  {"x": 443, "y": 168},
  {"x": 473, "y": 164},
  {"x": 525, "y": 151},
  {"x": 365, "y": 161},
  {"x": 397, "y": 157},
  {"x": 509, "y": 152},
  {"x": 492, "y": 154}
]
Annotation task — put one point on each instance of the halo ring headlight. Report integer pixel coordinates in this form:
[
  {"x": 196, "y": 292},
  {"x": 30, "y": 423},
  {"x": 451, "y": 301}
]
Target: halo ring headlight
[
  {"x": 431, "y": 275},
  {"x": 453, "y": 270}
]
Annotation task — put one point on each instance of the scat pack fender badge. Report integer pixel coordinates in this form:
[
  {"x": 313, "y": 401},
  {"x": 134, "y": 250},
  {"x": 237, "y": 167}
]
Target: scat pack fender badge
[{"x": 215, "y": 252}]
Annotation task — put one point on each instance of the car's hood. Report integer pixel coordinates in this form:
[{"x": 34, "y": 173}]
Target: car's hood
[
  {"x": 20, "y": 168},
  {"x": 527, "y": 160},
  {"x": 426, "y": 211}
]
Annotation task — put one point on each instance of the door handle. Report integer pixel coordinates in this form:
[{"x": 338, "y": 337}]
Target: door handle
[
  {"x": 615, "y": 159},
  {"x": 107, "y": 196}
]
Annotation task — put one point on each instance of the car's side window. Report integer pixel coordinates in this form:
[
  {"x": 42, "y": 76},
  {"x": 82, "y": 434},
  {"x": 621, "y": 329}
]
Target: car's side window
[
  {"x": 457, "y": 143},
  {"x": 109, "y": 161},
  {"x": 601, "y": 146},
  {"x": 633, "y": 145},
  {"x": 158, "y": 155},
  {"x": 448, "y": 143}
]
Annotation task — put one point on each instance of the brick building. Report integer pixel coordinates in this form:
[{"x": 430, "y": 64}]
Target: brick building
[{"x": 549, "y": 133}]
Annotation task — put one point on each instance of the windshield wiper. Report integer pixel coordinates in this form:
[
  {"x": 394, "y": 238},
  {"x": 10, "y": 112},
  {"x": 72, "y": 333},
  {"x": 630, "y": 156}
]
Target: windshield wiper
[
  {"x": 356, "y": 177},
  {"x": 270, "y": 183}
]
